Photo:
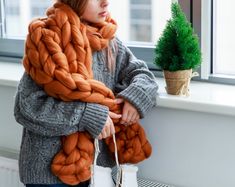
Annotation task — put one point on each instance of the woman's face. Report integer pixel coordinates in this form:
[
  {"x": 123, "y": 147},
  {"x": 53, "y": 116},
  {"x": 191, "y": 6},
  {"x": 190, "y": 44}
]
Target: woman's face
[{"x": 96, "y": 11}]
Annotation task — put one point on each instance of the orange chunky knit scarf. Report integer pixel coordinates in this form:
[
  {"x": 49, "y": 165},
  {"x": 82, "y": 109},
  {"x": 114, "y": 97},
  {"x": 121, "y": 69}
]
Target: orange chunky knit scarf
[{"x": 58, "y": 57}]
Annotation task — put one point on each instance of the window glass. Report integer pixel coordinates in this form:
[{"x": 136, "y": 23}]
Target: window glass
[
  {"x": 223, "y": 32},
  {"x": 18, "y": 14},
  {"x": 138, "y": 20}
]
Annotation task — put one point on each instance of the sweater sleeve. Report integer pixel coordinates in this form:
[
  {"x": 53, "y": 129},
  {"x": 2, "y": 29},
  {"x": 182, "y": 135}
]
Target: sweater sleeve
[
  {"x": 135, "y": 83},
  {"x": 48, "y": 116}
]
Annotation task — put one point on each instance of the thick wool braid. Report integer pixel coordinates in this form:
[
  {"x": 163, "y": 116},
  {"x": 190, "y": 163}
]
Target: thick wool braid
[{"x": 58, "y": 57}]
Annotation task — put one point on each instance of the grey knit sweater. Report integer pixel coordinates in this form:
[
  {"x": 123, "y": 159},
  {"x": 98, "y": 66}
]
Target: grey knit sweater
[{"x": 46, "y": 119}]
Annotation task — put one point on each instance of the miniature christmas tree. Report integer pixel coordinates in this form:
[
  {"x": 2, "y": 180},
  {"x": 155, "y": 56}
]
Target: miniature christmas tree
[{"x": 178, "y": 47}]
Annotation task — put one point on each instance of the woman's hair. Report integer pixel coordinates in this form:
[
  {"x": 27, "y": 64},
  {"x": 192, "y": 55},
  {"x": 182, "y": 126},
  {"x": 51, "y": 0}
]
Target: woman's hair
[{"x": 77, "y": 5}]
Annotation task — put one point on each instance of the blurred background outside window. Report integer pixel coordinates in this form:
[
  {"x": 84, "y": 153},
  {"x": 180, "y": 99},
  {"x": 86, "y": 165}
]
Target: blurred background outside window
[{"x": 138, "y": 20}]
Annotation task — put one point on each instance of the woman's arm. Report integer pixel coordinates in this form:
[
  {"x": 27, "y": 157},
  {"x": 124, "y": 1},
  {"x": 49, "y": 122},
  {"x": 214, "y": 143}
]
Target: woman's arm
[
  {"x": 45, "y": 115},
  {"x": 135, "y": 82}
]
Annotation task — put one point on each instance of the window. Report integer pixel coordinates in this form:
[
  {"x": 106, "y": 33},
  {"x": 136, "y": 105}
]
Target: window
[
  {"x": 216, "y": 28},
  {"x": 140, "y": 23},
  {"x": 138, "y": 17},
  {"x": 141, "y": 20},
  {"x": 223, "y": 37},
  {"x": 38, "y": 8},
  {"x": 18, "y": 14}
]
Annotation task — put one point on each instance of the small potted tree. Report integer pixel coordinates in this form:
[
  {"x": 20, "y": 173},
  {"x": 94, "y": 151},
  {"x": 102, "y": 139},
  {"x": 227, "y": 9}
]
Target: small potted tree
[{"x": 177, "y": 52}]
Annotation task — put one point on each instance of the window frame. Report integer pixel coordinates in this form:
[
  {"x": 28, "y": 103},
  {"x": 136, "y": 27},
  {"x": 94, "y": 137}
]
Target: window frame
[
  {"x": 12, "y": 48},
  {"x": 200, "y": 14},
  {"x": 230, "y": 79},
  {"x": 1, "y": 18},
  {"x": 204, "y": 26}
]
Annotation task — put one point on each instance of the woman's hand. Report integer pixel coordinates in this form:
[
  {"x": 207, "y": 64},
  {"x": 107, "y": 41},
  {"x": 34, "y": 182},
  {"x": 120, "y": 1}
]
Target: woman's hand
[
  {"x": 109, "y": 126},
  {"x": 129, "y": 113}
]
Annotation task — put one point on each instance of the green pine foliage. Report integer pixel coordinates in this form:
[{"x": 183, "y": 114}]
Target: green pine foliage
[{"x": 178, "y": 47}]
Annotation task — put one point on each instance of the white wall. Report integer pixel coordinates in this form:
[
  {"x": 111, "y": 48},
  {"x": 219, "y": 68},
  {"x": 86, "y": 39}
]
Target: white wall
[
  {"x": 10, "y": 131},
  {"x": 190, "y": 149}
]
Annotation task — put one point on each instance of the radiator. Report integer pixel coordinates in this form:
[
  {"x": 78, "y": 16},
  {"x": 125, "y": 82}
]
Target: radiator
[{"x": 9, "y": 175}]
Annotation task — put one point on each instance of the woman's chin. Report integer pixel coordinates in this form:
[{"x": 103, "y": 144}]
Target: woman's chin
[{"x": 101, "y": 20}]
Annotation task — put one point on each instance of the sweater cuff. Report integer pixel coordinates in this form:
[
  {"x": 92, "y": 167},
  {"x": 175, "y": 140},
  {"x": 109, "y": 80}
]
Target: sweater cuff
[
  {"x": 94, "y": 118},
  {"x": 137, "y": 97}
]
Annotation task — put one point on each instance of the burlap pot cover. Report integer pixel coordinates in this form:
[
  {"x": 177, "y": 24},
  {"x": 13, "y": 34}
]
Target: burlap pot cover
[{"x": 177, "y": 82}]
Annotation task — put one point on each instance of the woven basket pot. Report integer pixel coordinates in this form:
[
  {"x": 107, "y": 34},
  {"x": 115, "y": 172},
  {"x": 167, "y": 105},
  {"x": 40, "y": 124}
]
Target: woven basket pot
[{"x": 177, "y": 82}]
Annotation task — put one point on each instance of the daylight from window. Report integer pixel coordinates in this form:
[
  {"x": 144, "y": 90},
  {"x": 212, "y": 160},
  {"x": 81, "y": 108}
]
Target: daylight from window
[
  {"x": 138, "y": 20},
  {"x": 224, "y": 40}
]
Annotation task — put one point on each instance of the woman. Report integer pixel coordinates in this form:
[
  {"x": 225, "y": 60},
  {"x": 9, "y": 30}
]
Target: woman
[{"x": 46, "y": 118}]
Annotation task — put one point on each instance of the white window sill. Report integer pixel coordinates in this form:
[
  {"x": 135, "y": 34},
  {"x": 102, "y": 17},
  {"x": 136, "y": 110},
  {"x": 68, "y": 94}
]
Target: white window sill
[
  {"x": 10, "y": 73},
  {"x": 204, "y": 97}
]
